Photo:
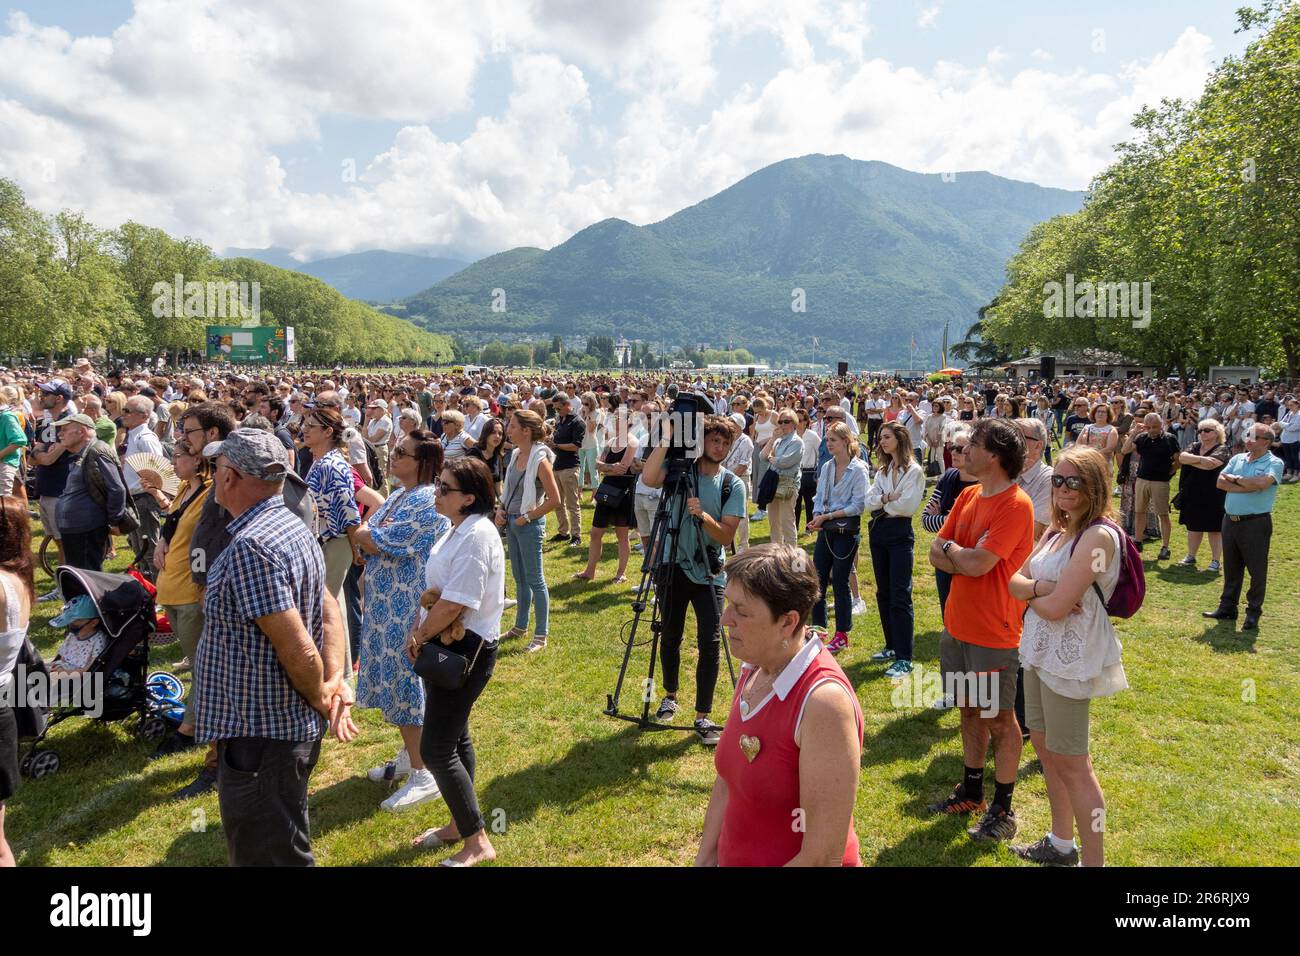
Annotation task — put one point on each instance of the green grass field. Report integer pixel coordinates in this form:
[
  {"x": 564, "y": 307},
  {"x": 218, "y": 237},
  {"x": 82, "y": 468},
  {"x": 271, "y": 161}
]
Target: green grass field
[{"x": 1199, "y": 761}]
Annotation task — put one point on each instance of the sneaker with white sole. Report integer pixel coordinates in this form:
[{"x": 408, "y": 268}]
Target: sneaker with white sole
[
  {"x": 55, "y": 595},
  {"x": 859, "y": 607},
  {"x": 882, "y": 655},
  {"x": 667, "y": 710},
  {"x": 419, "y": 788},
  {"x": 401, "y": 765},
  {"x": 708, "y": 732},
  {"x": 1213, "y": 567}
]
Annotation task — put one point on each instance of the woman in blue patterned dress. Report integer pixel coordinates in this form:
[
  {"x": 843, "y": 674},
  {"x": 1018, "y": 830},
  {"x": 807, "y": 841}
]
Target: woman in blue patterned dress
[
  {"x": 396, "y": 540},
  {"x": 330, "y": 482}
]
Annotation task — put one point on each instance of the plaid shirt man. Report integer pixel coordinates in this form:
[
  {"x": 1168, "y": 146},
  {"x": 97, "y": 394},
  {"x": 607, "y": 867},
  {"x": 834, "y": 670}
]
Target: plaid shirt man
[{"x": 271, "y": 564}]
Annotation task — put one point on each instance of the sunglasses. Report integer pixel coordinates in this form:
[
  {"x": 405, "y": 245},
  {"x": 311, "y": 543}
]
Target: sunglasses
[
  {"x": 1074, "y": 482},
  {"x": 443, "y": 488},
  {"x": 960, "y": 448},
  {"x": 1204, "y": 431}
]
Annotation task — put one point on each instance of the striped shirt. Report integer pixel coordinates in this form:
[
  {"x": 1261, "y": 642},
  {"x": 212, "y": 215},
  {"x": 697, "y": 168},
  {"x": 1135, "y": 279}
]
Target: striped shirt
[{"x": 240, "y": 690}]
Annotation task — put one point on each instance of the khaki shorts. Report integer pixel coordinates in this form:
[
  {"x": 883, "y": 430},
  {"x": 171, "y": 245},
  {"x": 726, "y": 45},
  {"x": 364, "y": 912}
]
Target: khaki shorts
[
  {"x": 1151, "y": 496},
  {"x": 49, "y": 508},
  {"x": 644, "y": 507},
  {"x": 1063, "y": 720},
  {"x": 977, "y": 676}
]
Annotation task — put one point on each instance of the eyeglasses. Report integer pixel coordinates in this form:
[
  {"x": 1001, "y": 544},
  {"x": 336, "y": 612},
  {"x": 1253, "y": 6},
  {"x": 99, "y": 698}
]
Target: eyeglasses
[
  {"x": 1073, "y": 482},
  {"x": 443, "y": 488},
  {"x": 400, "y": 452},
  {"x": 1204, "y": 431},
  {"x": 960, "y": 448}
]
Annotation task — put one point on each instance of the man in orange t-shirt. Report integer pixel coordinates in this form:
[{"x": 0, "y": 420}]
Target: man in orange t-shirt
[{"x": 986, "y": 538}]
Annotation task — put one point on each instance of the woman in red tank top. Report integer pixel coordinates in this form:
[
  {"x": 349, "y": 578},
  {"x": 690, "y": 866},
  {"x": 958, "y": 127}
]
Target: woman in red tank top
[{"x": 789, "y": 757}]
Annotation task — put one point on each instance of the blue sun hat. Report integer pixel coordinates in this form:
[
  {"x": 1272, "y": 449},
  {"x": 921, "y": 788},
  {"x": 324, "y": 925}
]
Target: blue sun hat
[{"x": 80, "y": 608}]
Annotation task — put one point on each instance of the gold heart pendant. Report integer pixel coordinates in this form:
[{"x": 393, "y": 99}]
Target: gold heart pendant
[{"x": 750, "y": 746}]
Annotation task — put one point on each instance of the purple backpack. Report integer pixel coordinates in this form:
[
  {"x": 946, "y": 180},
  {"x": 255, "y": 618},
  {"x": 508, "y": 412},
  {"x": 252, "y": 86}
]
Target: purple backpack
[{"x": 1131, "y": 588}]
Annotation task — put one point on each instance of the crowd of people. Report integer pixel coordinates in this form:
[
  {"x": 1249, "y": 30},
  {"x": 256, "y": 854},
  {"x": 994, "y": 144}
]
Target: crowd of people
[{"x": 341, "y": 540}]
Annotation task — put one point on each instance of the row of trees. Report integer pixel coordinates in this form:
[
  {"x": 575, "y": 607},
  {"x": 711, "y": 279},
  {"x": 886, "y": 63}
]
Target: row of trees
[
  {"x": 66, "y": 285},
  {"x": 601, "y": 352},
  {"x": 1204, "y": 204}
]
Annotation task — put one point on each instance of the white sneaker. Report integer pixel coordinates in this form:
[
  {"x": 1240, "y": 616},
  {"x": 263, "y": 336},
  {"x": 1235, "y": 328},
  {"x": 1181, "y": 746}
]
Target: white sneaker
[
  {"x": 419, "y": 788},
  {"x": 859, "y": 607},
  {"x": 402, "y": 767},
  {"x": 510, "y": 602}
]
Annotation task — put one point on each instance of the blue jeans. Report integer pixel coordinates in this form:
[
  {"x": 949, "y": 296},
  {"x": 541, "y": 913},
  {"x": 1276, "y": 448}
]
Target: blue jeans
[
  {"x": 834, "y": 556},
  {"x": 526, "y": 565},
  {"x": 352, "y": 597}
]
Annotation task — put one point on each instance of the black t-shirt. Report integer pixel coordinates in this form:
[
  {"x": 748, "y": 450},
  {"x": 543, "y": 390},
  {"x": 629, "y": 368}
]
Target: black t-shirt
[
  {"x": 1062, "y": 402},
  {"x": 1075, "y": 424},
  {"x": 569, "y": 430},
  {"x": 990, "y": 394},
  {"x": 50, "y": 479},
  {"x": 1266, "y": 406},
  {"x": 1155, "y": 456}
]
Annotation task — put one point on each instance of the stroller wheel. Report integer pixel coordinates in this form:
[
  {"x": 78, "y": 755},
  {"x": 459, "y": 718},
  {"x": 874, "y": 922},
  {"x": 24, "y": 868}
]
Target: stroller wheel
[
  {"x": 25, "y": 766},
  {"x": 152, "y": 727},
  {"x": 166, "y": 685},
  {"x": 43, "y": 763}
]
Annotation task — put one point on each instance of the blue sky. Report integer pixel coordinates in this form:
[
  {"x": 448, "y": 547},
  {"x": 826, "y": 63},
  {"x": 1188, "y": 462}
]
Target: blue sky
[{"x": 507, "y": 122}]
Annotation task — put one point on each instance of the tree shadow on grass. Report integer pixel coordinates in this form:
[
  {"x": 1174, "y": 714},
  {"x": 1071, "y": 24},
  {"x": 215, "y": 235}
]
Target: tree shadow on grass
[
  {"x": 906, "y": 737},
  {"x": 934, "y": 844},
  {"x": 591, "y": 770},
  {"x": 1224, "y": 638}
]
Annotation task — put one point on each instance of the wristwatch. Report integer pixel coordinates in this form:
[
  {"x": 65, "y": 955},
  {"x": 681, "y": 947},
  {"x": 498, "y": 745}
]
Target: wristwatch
[{"x": 946, "y": 546}]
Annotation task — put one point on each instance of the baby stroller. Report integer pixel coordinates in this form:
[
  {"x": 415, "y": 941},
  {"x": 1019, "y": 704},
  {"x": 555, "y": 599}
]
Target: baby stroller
[{"x": 120, "y": 673}]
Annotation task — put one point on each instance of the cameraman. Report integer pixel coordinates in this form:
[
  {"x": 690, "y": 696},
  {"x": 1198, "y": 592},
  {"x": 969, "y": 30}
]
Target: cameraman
[{"x": 692, "y": 581}]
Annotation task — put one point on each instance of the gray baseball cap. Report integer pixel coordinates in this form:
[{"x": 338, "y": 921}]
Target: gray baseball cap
[{"x": 252, "y": 451}]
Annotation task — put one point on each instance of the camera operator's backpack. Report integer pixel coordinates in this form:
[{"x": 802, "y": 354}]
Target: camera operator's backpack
[{"x": 1131, "y": 586}]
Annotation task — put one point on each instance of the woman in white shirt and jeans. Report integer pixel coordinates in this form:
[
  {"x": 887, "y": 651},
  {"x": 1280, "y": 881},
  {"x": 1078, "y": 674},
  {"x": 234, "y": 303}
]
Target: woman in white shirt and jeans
[
  {"x": 469, "y": 567},
  {"x": 1070, "y": 656}
]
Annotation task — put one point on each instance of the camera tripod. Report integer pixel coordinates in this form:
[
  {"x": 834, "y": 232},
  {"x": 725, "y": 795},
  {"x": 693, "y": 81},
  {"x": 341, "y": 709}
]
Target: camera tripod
[{"x": 656, "y": 587}]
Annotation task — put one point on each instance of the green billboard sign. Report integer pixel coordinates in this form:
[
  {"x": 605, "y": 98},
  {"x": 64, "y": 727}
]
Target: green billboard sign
[{"x": 258, "y": 344}]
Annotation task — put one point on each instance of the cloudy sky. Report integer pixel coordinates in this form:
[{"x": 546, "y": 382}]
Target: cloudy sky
[{"x": 332, "y": 126}]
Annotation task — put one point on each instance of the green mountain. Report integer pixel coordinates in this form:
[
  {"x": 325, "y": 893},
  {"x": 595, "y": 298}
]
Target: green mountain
[
  {"x": 880, "y": 254},
  {"x": 374, "y": 276}
]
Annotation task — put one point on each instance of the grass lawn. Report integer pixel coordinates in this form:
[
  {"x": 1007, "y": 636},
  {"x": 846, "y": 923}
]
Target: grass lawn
[{"x": 1199, "y": 761}]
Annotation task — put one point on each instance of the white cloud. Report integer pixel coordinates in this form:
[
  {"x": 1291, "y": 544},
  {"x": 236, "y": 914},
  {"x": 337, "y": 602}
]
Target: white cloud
[
  {"x": 180, "y": 117},
  {"x": 996, "y": 56},
  {"x": 1041, "y": 55},
  {"x": 928, "y": 17}
]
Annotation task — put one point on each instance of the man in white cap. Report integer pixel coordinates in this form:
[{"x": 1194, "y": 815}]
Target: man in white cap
[{"x": 378, "y": 430}]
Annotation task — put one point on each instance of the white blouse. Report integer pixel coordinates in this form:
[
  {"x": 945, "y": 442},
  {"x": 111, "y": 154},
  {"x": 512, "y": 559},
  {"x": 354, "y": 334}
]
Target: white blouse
[{"x": 468, "y": 566}]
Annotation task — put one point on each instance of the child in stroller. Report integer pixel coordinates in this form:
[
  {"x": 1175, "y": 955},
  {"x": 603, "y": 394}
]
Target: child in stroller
[{"x": 110, "y": 618}]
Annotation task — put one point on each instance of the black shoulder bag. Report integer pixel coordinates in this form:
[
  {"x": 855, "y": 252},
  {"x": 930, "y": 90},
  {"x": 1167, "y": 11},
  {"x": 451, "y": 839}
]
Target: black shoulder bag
[{"x": 444, "y": 668}]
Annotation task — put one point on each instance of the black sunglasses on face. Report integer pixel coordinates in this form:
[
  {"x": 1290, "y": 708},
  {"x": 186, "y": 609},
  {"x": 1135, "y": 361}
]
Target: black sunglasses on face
[
  {"x": 443, "y": 488},
  {"x": 1074, "y": 482}
]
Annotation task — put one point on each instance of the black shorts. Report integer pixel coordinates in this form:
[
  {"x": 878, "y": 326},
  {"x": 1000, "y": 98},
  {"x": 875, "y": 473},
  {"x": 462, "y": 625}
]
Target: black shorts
[
  {"x": 621, "y": 516},
  {"x": 8, "y": 754}
]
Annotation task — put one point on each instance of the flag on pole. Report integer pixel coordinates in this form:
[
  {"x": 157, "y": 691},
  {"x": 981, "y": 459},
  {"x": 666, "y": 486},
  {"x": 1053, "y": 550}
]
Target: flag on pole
[{"x": 913, "y": 342}]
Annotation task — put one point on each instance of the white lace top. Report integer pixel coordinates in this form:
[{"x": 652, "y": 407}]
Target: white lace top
[
  {"x": 1078, "y": 656},
  {"x": 11, "y": 638}
]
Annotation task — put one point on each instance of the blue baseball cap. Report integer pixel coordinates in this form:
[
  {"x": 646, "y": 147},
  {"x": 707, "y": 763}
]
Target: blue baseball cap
[{"x": 80, "y": 608}]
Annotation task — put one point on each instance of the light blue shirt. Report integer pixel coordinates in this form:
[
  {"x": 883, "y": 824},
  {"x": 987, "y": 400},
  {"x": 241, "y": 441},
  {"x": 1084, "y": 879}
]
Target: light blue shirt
[
  {"x": 849, "y": 494},
  {"x": 787, "y": 455},
  {"x": 1252, "y": 502}
]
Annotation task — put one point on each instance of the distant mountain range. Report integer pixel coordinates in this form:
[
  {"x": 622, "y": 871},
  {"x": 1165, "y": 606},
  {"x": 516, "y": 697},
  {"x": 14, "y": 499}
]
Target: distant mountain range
[
  {"x": 375, "y": 276},
  {"x": 873, "y": 254}
]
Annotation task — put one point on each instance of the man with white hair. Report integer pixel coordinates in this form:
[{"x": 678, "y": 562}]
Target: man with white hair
[{"x": 140, "y": 439}]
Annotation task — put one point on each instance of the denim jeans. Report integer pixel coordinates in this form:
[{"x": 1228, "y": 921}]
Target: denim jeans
[
  {"x": 262, "y": 792},
  {"x": 892, "y": 544},
  {"x": 525, "y": 546},
  {"x": 587, "y": 466},
  {"x": 834, "y": 557},
  {"x": 445, "y": 745},
  {"x": 352, "y": 597}
]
